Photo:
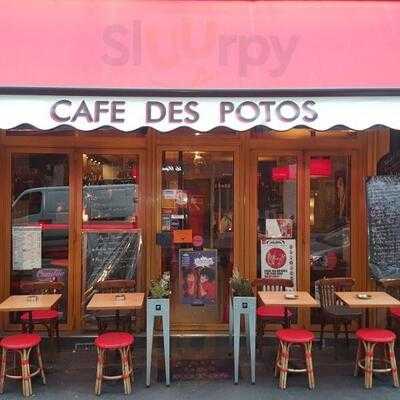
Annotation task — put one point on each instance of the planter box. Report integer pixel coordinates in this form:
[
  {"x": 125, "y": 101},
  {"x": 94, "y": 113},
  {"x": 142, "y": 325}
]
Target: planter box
[
  {"x": 245, "y": 306},
  {"x": 157, "y": 308}
]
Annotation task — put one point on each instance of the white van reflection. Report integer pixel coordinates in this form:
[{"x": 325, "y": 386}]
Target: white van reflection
[{"x": 51, "y": 204}]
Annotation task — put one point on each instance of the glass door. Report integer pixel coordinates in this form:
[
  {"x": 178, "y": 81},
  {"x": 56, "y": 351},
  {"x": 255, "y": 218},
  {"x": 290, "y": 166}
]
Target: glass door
[{"x": 197, "y": 232}]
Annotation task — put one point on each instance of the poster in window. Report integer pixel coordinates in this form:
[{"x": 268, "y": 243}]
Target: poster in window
[
  {"x": 56, "y": 275},
  {"x": 278, "y": 259},
  {"x": 27, "y": 247},
  {"x": 198, "y": 276}
]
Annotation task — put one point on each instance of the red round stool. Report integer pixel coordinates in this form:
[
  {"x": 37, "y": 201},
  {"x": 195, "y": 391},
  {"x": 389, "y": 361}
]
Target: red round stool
[
  {"x": 368, "y": 338},
  {"x": 293, "y": 337},
  {"x": 122, "y": 342},
  {"x": 22, "y": 344}
]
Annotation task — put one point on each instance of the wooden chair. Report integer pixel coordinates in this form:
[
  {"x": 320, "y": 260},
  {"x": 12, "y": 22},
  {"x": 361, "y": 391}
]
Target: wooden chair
[
  {"x": 392, "y": 287},
  {"x": 271, "y": 314},
  {"x": 333, "y": 310},
  {"x": 121, "y": 321},
  {"x": 47, "y": 318}
]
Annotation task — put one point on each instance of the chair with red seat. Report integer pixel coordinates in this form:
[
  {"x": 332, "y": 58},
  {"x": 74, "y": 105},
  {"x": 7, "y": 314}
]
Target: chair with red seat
[
  {"x": 47, "y": 318},
  {"x": 22, "y": 344},
  {"x": 288, "y": 338},
  {"x": 122, "y": 342},
  {"x": 368, "y": 339},
  {"x": 271, "y": 314}
]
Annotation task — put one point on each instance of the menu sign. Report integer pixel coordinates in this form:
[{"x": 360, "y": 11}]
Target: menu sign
[
  {"x": 27, "y": 247},
  {"x": 383, "y": 216},
  {"x": 278, "y": 259}
]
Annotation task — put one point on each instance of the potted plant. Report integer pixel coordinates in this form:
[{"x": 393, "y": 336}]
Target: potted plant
[
  {"x": 158, "y": 306},
  {"x": 160, "y": 288},
  {"x": 242, "y": 293}
]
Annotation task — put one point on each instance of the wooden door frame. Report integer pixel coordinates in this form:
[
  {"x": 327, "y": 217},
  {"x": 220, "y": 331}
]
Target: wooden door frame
[
  {"x": 356, "y": 267},
  {"x": 303, "y": 148},
  {"x": 204, "y": 146},
  {"x": 9, "y": 152},
  {"x": 142, "y": 273}
]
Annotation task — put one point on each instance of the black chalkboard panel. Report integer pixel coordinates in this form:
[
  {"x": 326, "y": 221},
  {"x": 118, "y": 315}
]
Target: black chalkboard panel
[
  {"x": 383, "y": 215},
  {"x": 110, "y": 255}
]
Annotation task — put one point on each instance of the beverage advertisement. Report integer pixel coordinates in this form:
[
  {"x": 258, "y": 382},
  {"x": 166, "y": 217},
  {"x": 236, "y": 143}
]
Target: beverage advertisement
[
  {"x": 278, "y": 259},
  {"x": 198, "y": 276}
]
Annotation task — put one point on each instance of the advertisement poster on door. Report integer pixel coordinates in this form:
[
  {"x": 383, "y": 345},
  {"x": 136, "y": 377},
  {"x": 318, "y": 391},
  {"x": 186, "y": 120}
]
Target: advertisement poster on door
[
  {"x": 198, "y": 276},
  {"x": 278, "y": 259}
]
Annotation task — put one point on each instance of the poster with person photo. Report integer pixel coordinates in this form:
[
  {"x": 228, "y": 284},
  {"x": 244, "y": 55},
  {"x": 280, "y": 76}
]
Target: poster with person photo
[{"x": 198, "y": 276}]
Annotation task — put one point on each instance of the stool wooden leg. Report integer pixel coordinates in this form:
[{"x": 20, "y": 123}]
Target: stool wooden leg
[
  {"x": 309, "y": 364},
  {"x": 125, "y": 370},
  {"x": 284, "y": 365},
  {"x": 369, "y": 364},
  {"x": 393, "y": 365},
  {"x": 130, "y": 354},
  {"x": 3, "y": 369},
  {"x": 99, "y": 372},
  {"x": 25, "y": 373},
  {"x": 40, "y": 364},
  {"x": 28, "y": 371},
  {"x": 358, "y": 357}
]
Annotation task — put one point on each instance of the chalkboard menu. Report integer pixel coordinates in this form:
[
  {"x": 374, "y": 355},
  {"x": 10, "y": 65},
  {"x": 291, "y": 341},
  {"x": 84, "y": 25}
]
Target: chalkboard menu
[
  {"x": 110, "y": 255},
  {"x": 383, "y": 214}
]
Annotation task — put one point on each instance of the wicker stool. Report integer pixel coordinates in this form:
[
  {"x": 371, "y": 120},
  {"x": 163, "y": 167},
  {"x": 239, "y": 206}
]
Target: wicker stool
[
  {"x": 22, "y": 344},
  {"x": 287, "y": 338},
  {"x": 122, "y": 342},
  {"x": 368, "y": 338}
]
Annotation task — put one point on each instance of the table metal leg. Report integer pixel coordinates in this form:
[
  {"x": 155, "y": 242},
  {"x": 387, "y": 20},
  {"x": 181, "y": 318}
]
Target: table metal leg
[
  {"x": 117, "y": 319},
  {"x": 30, "y": 325}
]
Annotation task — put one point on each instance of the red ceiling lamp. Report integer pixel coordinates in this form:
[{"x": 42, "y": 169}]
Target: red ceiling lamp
[
  {"x": 320, "y": 167},
  {"x": 284, "y": 173},
  {"x": 280, "y": 174}
]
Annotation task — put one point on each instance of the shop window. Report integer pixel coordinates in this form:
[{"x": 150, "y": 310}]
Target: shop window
[
  {"x": 330, "y": 218},
  {"x": 277, "y": 217},
  {"x": 111, "y": 238},
  {"x": 40, "y": 198}
]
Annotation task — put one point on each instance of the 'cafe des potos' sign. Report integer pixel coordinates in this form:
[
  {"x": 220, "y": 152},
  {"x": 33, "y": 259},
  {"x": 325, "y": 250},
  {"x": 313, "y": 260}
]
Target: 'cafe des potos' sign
[
  {"x": 201, "y": 113},
  {"x": 188, "y": 112}
]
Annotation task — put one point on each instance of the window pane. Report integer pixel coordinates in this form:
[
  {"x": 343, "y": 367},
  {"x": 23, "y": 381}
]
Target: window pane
[
  {"x": 40, "y": 199},
  {"x": 277, "y": 212},
  {"x": 329, "y": 219}
]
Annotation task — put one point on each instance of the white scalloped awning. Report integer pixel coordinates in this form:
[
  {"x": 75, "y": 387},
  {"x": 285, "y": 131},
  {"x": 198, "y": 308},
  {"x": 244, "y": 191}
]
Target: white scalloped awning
[{"x": 199, "y": 113}]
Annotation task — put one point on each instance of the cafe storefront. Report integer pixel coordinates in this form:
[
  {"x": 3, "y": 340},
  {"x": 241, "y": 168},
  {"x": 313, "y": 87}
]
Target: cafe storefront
[
  {"x": 142, "y": 133},
  {"x": 128, "y": 187}
]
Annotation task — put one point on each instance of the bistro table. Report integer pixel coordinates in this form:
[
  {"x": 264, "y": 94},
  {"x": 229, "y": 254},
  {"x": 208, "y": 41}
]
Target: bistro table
[
  {"x": 371, "y": 300},
  {"x": 29, "y": 303},
  {"x": 116, "y": 302},
  {"x": 280, "y": 298}
]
